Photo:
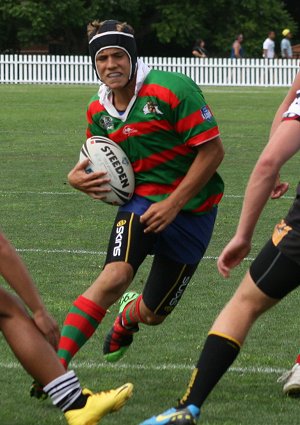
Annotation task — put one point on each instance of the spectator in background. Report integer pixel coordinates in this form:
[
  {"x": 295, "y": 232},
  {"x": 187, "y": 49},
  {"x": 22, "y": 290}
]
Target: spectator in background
[
  {"x": 285, "y": 46},
  {"x": 237, "y": 50},
  {"x": 269, "y": 46},
  {"x": 199, "y": 50}
]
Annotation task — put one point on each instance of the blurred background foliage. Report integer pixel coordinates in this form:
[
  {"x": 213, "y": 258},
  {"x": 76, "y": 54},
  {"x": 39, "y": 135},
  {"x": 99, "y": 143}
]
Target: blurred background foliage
[{"x": 167, "y": 28}]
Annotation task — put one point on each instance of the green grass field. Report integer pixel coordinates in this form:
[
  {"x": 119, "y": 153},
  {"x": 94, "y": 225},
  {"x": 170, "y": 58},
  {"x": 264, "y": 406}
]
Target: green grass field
[{"x": 62, "y": 236}]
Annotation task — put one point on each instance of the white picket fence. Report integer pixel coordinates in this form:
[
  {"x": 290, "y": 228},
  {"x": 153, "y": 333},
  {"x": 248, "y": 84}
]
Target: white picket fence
[{"x": 52, "y": 69}]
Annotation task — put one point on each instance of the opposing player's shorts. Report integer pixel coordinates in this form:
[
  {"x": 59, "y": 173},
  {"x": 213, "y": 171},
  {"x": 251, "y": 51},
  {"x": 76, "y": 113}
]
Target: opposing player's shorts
[
  {"x": 276, "y": 269},
  {"x": 286, "y": 235},
  {"x": 177, "y": 251}
]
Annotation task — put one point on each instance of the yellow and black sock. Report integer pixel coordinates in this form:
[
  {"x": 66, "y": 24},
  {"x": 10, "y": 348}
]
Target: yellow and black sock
[{"x": 218, "y": 353}]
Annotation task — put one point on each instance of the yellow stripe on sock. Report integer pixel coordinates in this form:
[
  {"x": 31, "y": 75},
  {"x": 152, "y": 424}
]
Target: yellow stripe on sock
[{"x": 226, "y": 337}]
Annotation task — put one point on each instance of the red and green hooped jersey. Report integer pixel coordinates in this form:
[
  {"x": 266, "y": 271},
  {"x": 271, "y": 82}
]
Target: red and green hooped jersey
[{"x": 168, "y": 119}]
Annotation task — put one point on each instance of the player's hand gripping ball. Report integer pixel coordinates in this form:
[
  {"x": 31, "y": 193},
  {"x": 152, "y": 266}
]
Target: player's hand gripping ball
[{"x": 106, "y": 155}]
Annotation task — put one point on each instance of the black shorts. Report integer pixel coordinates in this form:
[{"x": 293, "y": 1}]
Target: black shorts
[
  {"x": 168, "y": 278},
  {"x": 275, "y": 273},
  {"x": 286, "y": 235},
  {"x": 176, "y": 253}
]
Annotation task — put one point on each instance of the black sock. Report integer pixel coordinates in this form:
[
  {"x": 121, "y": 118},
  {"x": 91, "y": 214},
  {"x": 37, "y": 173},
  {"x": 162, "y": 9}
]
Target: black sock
[
  {"x": 79, "y": 403},
  {"x": 218, "y": 353}
]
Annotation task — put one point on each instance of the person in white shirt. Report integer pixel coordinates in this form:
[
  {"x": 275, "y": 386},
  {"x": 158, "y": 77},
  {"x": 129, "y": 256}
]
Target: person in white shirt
[{"x": 269, "y": 46}]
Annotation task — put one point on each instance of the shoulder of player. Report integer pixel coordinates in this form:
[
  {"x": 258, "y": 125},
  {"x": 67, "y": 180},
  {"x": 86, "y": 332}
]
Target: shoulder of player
[
  {"x": 174, "y": 81},
  {"x": 94, "y": 105}
]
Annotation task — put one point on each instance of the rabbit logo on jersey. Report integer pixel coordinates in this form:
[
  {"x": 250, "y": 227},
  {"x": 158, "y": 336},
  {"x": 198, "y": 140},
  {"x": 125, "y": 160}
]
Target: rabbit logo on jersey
[{"x": 119, "y": 237}]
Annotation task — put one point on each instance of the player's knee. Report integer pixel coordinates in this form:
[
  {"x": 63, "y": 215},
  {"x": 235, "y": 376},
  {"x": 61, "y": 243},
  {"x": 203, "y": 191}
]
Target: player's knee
[
  {"x": 251, "y": 306},
  {"x": 118, "y": 275}
]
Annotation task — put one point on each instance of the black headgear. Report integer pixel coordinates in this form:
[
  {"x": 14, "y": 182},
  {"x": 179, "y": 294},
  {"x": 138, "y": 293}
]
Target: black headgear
[{"x": 109, "y": 37}]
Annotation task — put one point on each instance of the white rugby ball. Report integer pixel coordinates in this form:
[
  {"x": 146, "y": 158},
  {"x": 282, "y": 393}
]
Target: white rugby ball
[{"x": 106, "y": 155}]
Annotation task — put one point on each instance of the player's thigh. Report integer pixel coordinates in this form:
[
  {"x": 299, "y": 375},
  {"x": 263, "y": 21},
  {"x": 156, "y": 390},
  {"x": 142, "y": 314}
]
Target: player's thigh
[{"x": 128, "y": 243}]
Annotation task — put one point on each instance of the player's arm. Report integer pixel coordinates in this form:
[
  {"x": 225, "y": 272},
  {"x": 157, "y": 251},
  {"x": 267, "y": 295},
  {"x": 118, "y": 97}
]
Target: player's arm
[
  {"x": 196, "y": 53},
  {"x": 258, "y": 191},
  {"x": 280, "y": 188},
  {"x": 285, "y": 103},
  {"x": 92, "y": 184},
  {"x": 17, "y": 276},
  {"x": 205, "y": 164}
]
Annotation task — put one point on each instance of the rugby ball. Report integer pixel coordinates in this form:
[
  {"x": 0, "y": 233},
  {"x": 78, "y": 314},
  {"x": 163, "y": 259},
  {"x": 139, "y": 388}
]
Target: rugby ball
[{"x": 106, "y": 155}]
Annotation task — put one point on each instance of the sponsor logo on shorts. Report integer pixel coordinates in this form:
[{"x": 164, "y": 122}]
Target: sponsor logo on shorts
[
  {"x": 180, "y": 291},
  {"x": 121, "y": 223},
  {"x": 119, "y": 237}
]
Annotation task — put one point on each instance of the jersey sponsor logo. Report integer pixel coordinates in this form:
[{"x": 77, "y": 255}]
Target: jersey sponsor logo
[
  {"x": 119, "y": 237},
  {"x": 206, "y": 114},
  {"x": 106, "y": 122},
  {"x": 151, "y": 108},
  {"x": 129, "y": 130},
  {"x": 180, "y": 291}
]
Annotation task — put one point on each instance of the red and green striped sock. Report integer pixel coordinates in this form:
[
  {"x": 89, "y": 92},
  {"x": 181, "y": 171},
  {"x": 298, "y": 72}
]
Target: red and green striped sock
[
  {"x": 80, "y": 324},
  {"x": 131, "y": 315}
]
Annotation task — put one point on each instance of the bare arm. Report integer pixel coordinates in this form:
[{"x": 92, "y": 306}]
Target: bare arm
[
  {"x": 17, "y": 276},
  {"x": 285, "y": 103},
  {"x": 208, "y": 158},
  {"x": 280, "y": 188},
  {"x": 259, "y": 187},
  {"x": 196, "y": 53}
]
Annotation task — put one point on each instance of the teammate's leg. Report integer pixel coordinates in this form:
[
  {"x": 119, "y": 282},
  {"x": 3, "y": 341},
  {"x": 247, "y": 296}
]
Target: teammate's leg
[
  {"x": 89, "y": 309},
  {"x": 163, "y": 290},
  {"x": 178, "y": 250},
  {"x": 127, "y": 248}
]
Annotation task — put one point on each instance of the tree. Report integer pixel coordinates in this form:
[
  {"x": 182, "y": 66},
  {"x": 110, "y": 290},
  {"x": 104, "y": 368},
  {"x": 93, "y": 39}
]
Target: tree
[{"x": 162, "y": 28}]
